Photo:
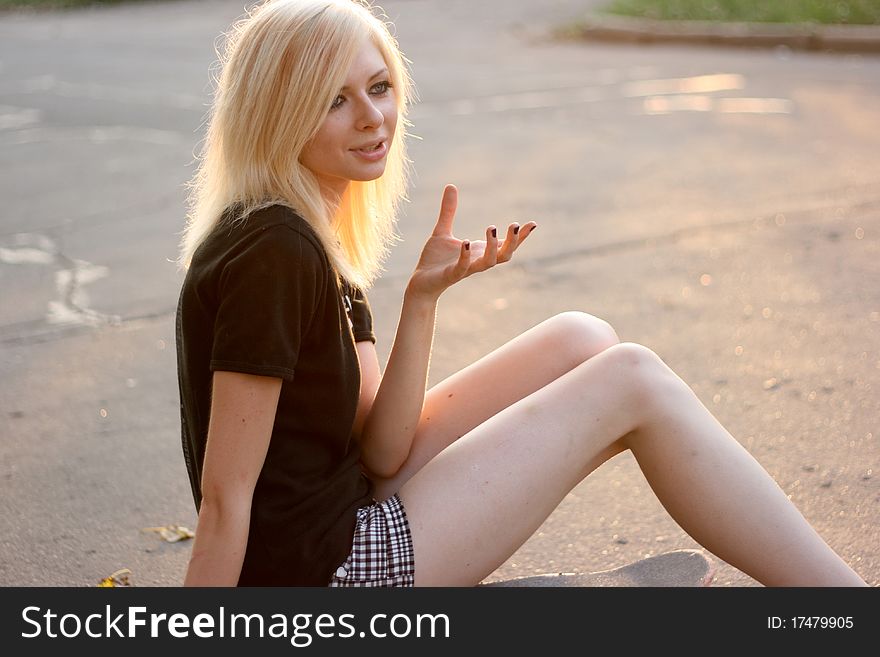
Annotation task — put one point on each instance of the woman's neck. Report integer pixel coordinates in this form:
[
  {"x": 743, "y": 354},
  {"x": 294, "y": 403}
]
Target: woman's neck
[{"x": 333, "y": 194}]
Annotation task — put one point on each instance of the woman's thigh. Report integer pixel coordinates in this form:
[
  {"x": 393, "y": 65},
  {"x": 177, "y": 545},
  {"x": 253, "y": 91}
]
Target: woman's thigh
[
  {"x": 476, "y": 502},
  {"x": 513, "y": 371}
]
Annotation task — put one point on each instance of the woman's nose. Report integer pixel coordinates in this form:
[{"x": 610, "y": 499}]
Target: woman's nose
[{"x": 370, "y": 116}]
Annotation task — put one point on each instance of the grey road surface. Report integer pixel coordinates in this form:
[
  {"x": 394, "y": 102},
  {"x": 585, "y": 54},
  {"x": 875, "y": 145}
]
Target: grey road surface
[{"x": 719, "y": 206}]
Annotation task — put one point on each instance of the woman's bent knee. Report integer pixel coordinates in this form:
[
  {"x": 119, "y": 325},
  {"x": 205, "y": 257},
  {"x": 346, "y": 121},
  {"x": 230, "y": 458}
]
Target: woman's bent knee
[
  {"x": 635, "y": 355},
  {"x": 646, "y": 376},
  {"x": 582, "y": 335}
]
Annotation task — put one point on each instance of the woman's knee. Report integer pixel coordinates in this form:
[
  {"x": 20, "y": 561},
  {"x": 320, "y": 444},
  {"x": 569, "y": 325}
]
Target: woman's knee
[
  {"x": 646, "y": 378},
  {"x": 581, "y": 335},
  {"x": 650, "y": 381}
]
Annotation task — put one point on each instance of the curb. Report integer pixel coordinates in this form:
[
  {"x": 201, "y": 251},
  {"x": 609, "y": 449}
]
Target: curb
[{"x": 801, "y": 36}]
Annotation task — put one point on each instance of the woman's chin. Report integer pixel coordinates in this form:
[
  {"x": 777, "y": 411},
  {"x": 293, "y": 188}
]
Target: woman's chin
[{"x": 368, "y": 176}]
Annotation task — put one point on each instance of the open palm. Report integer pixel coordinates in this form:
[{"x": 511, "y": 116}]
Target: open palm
[{"x": 445, "y": 259}]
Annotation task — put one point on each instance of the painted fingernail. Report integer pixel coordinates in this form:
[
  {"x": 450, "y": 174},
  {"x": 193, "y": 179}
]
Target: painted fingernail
[
  {"x": 515, "y": 230},
  {"x": 467, "y": 246},
  {"x": 494, "y": 232}
]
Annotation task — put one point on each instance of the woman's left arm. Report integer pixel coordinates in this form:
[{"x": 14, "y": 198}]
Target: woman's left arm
[
  {"x": 371, "y": 375},
  {"x": 394, "y": 415},
  {"x": 393, "y": 418}
]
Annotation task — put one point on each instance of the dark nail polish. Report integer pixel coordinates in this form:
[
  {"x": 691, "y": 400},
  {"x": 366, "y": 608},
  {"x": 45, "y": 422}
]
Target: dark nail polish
[
  {"x": 516, "y": 230},
  {"x": 494, "y": 232},
  {"x": 467, "y": 246}
]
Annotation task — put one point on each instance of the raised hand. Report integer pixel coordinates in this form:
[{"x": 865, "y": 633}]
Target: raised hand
[{"x": 445, "y": 259}]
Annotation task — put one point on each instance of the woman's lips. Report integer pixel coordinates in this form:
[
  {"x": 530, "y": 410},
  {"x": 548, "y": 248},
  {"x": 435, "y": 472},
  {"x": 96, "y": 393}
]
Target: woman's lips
[{"x": 373, "y": 155}]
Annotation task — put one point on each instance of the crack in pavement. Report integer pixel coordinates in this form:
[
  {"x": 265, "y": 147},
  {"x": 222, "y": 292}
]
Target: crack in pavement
[
  {"x": 71, "y": 313},
  {"x": 71, "y": 306},
  {"x": 803, "y": 217},
  {"x": 689, "y": 231},
  {"x": 133, "y": 211}
]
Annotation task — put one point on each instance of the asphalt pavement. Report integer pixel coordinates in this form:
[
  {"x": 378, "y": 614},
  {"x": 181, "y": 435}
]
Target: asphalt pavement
[{"x": 719, "y": 205}]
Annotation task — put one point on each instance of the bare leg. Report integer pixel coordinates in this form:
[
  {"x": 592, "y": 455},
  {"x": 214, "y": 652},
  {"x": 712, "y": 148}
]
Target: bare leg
[
  {"x": 477, "y": 501},
  {"x": 486, "y": 387}
]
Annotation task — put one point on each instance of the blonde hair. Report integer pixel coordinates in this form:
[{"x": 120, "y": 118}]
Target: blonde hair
[{"x": 282, "y": 66}]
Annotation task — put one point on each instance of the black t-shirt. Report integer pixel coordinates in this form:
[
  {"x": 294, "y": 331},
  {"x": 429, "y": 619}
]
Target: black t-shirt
[{"x": 262, "y": 298}]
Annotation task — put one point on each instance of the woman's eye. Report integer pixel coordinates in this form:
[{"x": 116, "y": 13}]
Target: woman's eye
[{"x": 380, "y": 88}]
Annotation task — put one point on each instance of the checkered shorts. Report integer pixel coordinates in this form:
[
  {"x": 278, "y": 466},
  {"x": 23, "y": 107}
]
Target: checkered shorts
[{"x": 382, "y": 550}]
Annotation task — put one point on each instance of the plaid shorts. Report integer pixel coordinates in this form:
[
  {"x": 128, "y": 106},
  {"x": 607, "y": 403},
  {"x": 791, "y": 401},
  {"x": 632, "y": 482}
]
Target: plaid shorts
[{"x": 382, "y": 549}]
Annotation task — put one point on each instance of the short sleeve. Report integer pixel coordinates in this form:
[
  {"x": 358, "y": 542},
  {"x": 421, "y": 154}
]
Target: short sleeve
[
  {"x": 361, "y": 316},
  {"x": 267, "y": 297}
]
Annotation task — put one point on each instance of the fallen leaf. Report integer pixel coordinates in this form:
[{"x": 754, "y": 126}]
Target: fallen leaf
[
  {"x": 172, "y": 533},
  {"x": 121, "y": 577}
]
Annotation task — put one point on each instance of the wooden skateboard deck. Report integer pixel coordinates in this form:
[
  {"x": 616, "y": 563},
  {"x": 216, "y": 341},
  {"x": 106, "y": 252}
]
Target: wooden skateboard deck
[{"x": 679, "y": 568}]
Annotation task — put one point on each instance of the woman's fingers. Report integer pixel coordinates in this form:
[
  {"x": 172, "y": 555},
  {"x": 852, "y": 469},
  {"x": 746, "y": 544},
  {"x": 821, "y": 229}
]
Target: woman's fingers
[
  {"x": 524, "y": 231},
  {"x": 485, "y": 255},
  {"x": 448, "y": 205},
  {"x": 508, "y": 246},
  {"x": 490, "y": 257},
  {"x": 464, "y": 260},
  {"x": 516, "y": 235}
]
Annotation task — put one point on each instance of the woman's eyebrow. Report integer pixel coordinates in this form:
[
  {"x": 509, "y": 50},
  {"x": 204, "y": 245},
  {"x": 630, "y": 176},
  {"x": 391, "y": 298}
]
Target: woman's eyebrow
[{"x": 375, "y": 75}]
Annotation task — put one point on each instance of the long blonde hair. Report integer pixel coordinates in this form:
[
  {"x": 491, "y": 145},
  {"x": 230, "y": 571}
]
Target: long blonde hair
[{"x": 282, "y": 66}]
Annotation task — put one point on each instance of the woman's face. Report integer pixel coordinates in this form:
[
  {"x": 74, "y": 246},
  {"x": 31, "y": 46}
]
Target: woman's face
[{"x": 363, "y": 115}]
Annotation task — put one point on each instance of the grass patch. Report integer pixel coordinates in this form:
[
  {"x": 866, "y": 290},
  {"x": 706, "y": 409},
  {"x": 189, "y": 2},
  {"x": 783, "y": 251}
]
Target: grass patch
[{"x": 856, "y": 12}]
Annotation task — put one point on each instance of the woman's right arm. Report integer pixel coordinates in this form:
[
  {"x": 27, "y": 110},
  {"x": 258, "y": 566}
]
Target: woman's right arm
[{"x": 242, "y": 415}]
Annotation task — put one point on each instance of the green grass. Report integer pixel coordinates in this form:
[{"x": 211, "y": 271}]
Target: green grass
[{"x": 860, "y": 12}]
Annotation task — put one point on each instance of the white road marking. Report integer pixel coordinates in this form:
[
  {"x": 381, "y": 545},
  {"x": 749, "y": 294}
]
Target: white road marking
[
  {"x": 106, "y": 92},
  {"x": 25, "y": 256},
  {"x": 94, "y": 134},
  {"x": 691, "y": 85},
  {"x": 662, "y": 96},
  {"x": 699, "y": 103},
  {"x": 13, "y": 118},
  {"x": 71, "y": 306}
]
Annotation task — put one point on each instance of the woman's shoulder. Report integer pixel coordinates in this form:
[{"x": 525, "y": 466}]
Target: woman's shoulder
[
  {"x": 276, "y": 214},
  {"x": 269, "y": 233},
  {"x": 270, "y": 224}
]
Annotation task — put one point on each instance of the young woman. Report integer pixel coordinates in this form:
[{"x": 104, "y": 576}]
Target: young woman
[{"x": 309, "y": 465}]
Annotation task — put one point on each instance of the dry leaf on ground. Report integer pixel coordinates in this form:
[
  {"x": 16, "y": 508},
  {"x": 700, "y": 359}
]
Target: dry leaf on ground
[
  {"x": 121, "y": 577},
  {"x": 172, "y": 533}
]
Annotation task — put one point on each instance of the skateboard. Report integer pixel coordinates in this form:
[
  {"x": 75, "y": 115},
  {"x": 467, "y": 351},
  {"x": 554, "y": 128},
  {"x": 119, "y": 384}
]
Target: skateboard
[{"x": 679, "y": 568}]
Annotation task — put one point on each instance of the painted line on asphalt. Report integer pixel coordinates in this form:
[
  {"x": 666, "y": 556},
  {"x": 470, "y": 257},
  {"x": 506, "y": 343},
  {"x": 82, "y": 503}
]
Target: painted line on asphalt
[{"x": 72, "y": 303}]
